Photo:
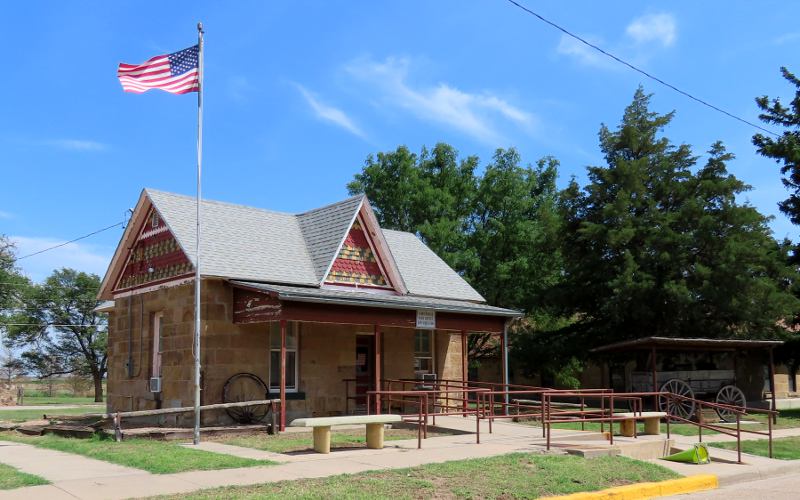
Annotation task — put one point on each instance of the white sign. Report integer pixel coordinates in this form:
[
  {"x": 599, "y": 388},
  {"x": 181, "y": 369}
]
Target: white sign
[{"x": 426, "y": 318}]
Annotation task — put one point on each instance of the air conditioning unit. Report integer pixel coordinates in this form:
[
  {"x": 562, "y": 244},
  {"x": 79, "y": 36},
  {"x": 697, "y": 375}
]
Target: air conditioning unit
[{"x": 155, "y": 384}]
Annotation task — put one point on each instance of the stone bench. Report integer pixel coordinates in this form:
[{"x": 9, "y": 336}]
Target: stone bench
[
  {"x": 322, "y": 428},
  {"x": 652, "y": 422}
]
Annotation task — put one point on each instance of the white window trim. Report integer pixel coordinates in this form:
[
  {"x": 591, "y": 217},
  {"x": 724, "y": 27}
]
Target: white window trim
[
  {"x": 158, "y": 358},
  {"x": 290, "y": 325},
  {"x": 431, "y": 345}
]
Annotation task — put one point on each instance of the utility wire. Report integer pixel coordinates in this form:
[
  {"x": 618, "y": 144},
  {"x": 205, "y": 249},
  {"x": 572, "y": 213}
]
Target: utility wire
[
  {"x": 639, "y": 70},
  {"x": 122, "y": 223}
]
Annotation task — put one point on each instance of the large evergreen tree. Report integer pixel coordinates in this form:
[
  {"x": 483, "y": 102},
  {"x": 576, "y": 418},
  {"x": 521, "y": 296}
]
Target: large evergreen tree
[{"x": 653, "y": 247}]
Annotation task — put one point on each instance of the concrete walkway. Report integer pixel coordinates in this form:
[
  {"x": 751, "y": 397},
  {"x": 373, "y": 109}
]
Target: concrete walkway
[{"x": 89, "y": 480}]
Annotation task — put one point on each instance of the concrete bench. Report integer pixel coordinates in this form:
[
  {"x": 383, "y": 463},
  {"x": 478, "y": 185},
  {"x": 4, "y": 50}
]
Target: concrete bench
[
  {"x": 322, "y": 428},
  {"x": 652, "y": 422}
]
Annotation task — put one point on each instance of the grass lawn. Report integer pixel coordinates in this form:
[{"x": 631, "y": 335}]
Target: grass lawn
[
  {"x": 518, "y": 475},
  {"x": 294, "y": 441},
  {"x": 25, "y": 415},
  {"x": 61, "y": 399},
  {"x": 12, "y": 478},
  {"x": 787, "y": 448},
  {"x": 158, "y": 457}
]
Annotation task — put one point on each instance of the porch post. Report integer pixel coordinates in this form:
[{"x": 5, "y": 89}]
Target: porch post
[
  {"x": 772, "y": 384},
  {"x": 377, "y": 368},
  {"x": 504, "y": 348},
  {"x": 464, "y": 373},
  {"x": 283, "y": 375}
]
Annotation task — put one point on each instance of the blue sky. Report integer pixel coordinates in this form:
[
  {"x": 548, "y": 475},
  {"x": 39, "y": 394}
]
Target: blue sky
[{"x": 299, "y": 93}]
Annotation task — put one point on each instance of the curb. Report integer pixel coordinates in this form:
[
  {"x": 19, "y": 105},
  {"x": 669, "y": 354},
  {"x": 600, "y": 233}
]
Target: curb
[{"x": 648, "y": 490}]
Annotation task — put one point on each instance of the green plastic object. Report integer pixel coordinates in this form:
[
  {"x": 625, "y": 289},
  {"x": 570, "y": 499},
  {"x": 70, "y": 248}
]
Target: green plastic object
[{"x": 697, "y": 454}]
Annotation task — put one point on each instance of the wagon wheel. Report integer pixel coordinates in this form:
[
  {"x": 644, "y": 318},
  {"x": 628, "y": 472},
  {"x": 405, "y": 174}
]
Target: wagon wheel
[
  {"x": 245, "y": 387},
  {"x": 732, "y": 396},
  {"x": 677, "y": 406}
]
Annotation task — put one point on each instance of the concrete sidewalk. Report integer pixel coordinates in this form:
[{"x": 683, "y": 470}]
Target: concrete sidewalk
[{"x": 507, "y": 437}]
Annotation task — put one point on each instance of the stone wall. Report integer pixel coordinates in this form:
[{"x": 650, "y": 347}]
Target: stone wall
[{"x": 326, "y": 354}]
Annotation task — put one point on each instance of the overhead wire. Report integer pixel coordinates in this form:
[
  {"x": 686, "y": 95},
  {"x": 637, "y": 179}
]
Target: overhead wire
[
  {"x": 121, "y": 223},
  {"x": 639, "y": 70}
]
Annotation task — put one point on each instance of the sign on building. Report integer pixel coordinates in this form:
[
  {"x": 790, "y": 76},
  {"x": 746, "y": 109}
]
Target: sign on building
[{"x": 426, "y": 318}]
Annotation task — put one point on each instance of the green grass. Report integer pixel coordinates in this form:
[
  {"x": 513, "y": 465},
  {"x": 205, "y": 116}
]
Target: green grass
[
  {"x": 518, "y": 475},
  {"x": 158, "y": 457},
  {"x": 782, "y": 448},
  {"x": 17, "y": 416},
  {"x": 61, "y": 399},
  {"x": 293, "y": 441},
  {"x": 11, "y": 478}
]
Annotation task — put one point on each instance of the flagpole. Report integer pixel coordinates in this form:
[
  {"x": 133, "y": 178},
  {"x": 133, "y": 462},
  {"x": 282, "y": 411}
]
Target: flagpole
[{"x": 196, "y": 438}]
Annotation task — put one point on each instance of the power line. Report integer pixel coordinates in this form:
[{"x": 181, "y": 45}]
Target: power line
[
  {"x": 122, "y": 223},
  {"x": 639, "y": 70}
]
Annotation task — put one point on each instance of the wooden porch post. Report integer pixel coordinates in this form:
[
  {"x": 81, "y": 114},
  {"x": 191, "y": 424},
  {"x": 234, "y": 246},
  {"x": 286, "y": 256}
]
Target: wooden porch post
[
  {"x": 772, "y": 384},
  {"x": 283, "y": 374},
  {"x": 464, "y": 372},
  {"x": 504, "y": 350},
  {"x": 377, "y": 368}
]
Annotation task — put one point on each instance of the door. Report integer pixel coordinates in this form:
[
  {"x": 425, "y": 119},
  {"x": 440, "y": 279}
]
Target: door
[{"x": 365, "y": 369}]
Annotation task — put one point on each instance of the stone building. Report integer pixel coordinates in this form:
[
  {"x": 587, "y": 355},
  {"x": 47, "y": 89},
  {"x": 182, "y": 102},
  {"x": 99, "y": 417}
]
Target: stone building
[{"x": 314, "y": 307}]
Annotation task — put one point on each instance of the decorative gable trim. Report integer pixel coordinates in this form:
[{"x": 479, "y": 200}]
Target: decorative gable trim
[{"x": 363, "y": 258}]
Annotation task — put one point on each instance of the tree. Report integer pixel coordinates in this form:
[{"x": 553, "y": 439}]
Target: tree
[
  {"x": 12, "y": 282},
  {"x": 496, "y": 230},
  {"x": 784, "y": 149},
  {"x": 61, "y": 332},
  {"x": 653, "y": 248}
]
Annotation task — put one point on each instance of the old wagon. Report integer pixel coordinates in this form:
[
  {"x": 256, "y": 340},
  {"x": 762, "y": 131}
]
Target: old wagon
[{"x": 694, "y": 368}]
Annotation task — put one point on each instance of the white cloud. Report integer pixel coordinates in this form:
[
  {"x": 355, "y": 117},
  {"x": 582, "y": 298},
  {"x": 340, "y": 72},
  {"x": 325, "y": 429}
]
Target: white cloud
[
  {"x": 77, "y": 144},
  {"x": 239, "y": 87},
  {"x": 472, "y": 113},
  {"x": 329, "y": 113},
  {"x": 83, "y": 257},
  {"x": 6, "y": 215},
  {"x": 659, "y": 28},
  {"x": 786, "y": 38}
]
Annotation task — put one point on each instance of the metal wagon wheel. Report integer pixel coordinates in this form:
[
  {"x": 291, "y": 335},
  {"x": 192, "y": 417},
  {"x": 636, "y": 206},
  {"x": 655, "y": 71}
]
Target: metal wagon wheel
[
  {"x": 732, "y": 396},
  {"x": 677, "y": 406},
  {"x": 245, "y": 387}
]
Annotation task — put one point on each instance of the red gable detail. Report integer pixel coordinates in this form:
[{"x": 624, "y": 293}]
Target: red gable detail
[
  {"x": 357, "y": 263},
  {"x": 156, "y": 257}
]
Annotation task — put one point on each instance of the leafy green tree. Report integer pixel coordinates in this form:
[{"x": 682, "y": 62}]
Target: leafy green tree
[
  {"x": 652, "y": 247},
  {"x": 784, "y": 149},
  {"x": 60, "y": 333},
  {"x": 12, "y": 282},
  {"x": 497, "y": 230}
]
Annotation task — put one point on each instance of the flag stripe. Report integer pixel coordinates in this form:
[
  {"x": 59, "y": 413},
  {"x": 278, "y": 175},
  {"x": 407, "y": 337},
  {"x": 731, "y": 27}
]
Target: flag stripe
[{"x": 156, "y": 82}]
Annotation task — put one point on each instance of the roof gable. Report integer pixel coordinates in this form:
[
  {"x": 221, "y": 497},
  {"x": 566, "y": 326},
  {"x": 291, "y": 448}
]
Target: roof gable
[
  {"x": 324, "y": 229},
  {"x": 358, "y": 264}
]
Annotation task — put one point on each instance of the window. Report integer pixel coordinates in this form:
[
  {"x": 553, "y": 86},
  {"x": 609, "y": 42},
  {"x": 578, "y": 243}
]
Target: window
[
  {"x": 154, "y": 220},
  {"x": 292, "y": 329},
  {"x": 157, "y": 344},
  {"x": 423, "y": 353}
]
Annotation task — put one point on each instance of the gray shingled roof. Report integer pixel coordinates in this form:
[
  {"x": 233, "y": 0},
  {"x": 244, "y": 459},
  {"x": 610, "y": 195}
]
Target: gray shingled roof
[
  {"x": 324, "y": 229},
  {"x": 252, "y": 244},
  {"x": 347, "y": 297}
]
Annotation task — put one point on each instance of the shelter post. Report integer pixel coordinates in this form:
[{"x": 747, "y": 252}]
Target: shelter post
[
  {"x": 464, "y": 373},
  {"x": 654, "y": 367},
  {"x": 504, "y": 349},
  {"x": 378, "y": 369},
  {"x": 772, "y": 384}
]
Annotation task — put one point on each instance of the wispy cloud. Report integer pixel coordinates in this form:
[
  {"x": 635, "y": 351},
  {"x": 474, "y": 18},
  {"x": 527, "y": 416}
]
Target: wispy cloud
[
  {"x": 6, "y": 215},
  {"x": 77, "y": 144},
  {"x": 80, "y": 256},
  {"x": 239, "y": 87},
  {"x": 475, "y": 114},
  {"x": 643, "y": 37},
  {"x": 786, "y": 38},
  {"x": 329, "y": 113},
  {"x": 658, "y": 28}
]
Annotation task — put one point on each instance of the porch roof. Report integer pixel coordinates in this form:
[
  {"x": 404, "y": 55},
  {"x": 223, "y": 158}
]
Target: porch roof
[{"x": 367, "y": 299}]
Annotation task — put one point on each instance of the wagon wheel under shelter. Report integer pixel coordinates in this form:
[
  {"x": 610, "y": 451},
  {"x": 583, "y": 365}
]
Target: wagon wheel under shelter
[
  {"x": 679, "y": 407},
  {"x": 732, "y": 396},
  {"x": 246, "y": 387}
]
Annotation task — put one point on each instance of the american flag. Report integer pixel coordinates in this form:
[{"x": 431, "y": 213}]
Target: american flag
[{"x": 176, "y": 73}]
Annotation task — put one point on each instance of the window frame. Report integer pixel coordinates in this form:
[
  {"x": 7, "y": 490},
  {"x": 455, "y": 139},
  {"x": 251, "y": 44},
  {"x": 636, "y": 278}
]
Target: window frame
[
  {"x": 158, "y": 358},
  {"x": 430, "y": 354},
  {"x": 292, "y": 329}
]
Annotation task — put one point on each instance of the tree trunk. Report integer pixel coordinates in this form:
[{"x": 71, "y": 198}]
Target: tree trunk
[{"x": 98, "y": 387}]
